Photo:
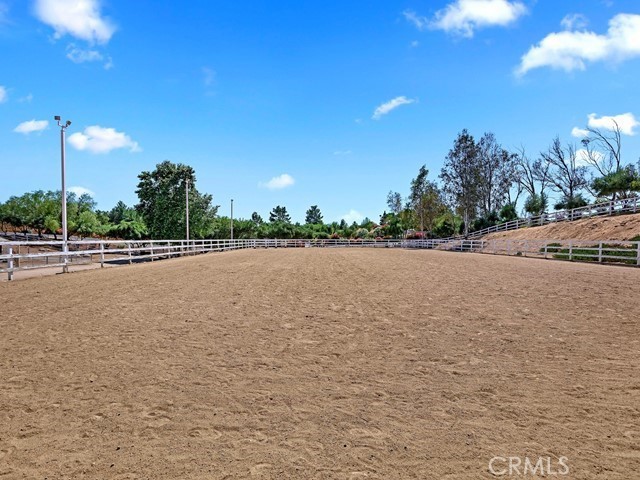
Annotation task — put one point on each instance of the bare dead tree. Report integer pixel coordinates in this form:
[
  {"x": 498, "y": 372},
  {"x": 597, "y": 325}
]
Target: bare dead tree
[
  {"x": 603, "y": 149},
  {"x": 566, "y": 176}
]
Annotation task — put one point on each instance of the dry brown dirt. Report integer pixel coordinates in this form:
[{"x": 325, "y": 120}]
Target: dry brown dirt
[
  {"x": 618, "y": 227},
  {"x": 321, "y": 363}
]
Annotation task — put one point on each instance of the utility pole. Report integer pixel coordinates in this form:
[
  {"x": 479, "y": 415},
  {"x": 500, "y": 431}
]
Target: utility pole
[{"x": 65, "y": 245}]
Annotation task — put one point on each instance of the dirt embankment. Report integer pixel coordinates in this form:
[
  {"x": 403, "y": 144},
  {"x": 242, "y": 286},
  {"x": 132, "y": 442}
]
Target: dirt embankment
[{"x": 619, "y": 227}]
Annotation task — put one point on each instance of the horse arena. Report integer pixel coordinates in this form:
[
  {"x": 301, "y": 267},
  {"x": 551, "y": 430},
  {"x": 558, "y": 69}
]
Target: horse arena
[{"x": 322, "y": 363}]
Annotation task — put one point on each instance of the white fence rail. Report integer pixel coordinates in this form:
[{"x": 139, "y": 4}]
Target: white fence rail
[
  {"x": 15, "y": 256},
  {"x": 624, "y": 205}
]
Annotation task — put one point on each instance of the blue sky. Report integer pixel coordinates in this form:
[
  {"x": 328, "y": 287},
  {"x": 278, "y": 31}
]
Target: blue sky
[{"x": 288, "y": 103}]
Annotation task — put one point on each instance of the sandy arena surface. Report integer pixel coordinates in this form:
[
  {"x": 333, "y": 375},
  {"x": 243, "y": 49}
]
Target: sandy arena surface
[{"x": 321, "y": 363}]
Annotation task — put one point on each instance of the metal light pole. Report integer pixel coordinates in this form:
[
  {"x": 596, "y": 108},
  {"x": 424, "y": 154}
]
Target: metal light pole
[
  {"x": 65, "y": 246},
  {"x": 186, "y": 185},
  {"x": 232, "y": 219}
]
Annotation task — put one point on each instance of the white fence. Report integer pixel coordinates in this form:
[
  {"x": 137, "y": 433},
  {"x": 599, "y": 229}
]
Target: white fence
[
  {"x": 624, "y": 205},
  {"x": 16, "y": 256}
]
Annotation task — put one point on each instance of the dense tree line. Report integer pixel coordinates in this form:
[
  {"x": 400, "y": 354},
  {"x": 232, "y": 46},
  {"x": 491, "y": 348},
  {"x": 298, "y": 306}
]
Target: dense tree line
[{"x": 480, "y": 185}]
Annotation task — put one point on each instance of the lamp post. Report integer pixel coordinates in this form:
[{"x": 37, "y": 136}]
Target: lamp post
[
  {"x": 232, "y": 219},
  {"x": 65, "y": 246},
  {"x": 186, "y": 186}
]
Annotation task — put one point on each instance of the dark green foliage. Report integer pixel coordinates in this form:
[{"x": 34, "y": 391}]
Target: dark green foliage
[
  {"x": 508, "y": 213},
  {"x": 313, "y": 215},
  {"x": 279, "y": 214},
  {"x": 567, "y": 203},
  {"x": 536, "y": 204},
  {"x": 618, "y": 184},
  {"x": 162, "y": 197}
]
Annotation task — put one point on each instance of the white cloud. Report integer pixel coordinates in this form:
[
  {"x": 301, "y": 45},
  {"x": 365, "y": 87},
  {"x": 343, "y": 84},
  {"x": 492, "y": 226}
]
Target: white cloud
[
  {"x": 574, "y": 21},
  {"x": 79, "y": 55},
  {"x": 579, "y": 132},
  {"x": 31, "y": 126},
  {"x": 419, "y": 22},
  {"x": 627, "y": 122},
  {"x": 276, "y": 183},
  {"x": 79, "y": 18},
  {"x": 3, "y": 94},
  {"x": 26, "y": 99},
  {"x": 353, "y": 216},
  {"x": 572, "y": 50},
  {"x": 391, "y": 105},
  {"x": 414, "y": 44},
  {"x": 79, "y": 191},
  {"x": 342, "y": 153},
  {"x": 97, "y": 139},
  {"x": 463, "y": 17}
]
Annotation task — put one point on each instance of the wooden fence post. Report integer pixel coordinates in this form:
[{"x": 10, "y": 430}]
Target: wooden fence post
[
  {"x": 570, "y": 251},
  {"x": 546, "y": 247},
  {"x": 129, "y": 248},
  {"x": 638, "y": 255},
  {"x": 101, "y": 254}
]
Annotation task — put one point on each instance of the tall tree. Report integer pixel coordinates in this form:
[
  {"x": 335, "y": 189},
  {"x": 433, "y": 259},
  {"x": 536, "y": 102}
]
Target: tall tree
[
  {"x": 460, "y": 176},
  {"x": 566, "y": 175},
  {"x": 313, "y": 216},
  {"x": 603, "y": 147},
  {"x": 162, "y": 202},
  {"x": 279, "y": 214},
  {"x": 394, "y": 202},
  {"x": 496, "y": 174},
  {"x": 425, "y": 199}
]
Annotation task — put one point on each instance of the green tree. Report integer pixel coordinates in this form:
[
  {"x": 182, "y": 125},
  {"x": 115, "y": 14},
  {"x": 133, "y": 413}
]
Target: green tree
[
  {"x": 313, "y": 216},
  {"x": 394, "y": 202},
  {"x": 497, "y": 174},
  {"x": 279, "y": 214},
  {"x": 256, "y": 219},
  {"x": 460, "y": 177},
  {"x": 425, "y": 199},
  {"x": 162, "y": 202},
  {"x": 619, "y": 183}
]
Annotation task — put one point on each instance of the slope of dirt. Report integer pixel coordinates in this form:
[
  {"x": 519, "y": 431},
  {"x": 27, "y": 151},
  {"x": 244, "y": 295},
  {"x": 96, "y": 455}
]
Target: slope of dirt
[
  {"x": 619, "y": 227},
  {"x": 321, "y": 364}
]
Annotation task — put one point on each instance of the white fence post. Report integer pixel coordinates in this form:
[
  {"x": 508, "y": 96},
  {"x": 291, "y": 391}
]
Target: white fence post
[
  {"x": 129, "y": 248},
  {"x": 102, "y": 254},
  {"x": 10, "y": 265},
  {"x": 600, "y": 252},
  {"x": 570, "y": 251},
  {"x": 638, "y": 255}
]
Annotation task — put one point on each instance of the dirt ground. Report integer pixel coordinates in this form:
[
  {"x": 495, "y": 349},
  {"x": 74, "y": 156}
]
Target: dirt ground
[
  {"x": 321, "y": 363},
  {"x": 617, "y": 227}
]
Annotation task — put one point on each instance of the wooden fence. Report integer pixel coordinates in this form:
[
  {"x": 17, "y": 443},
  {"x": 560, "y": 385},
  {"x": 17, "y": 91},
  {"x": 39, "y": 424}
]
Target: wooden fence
[{"x": 15, "y": 256}]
